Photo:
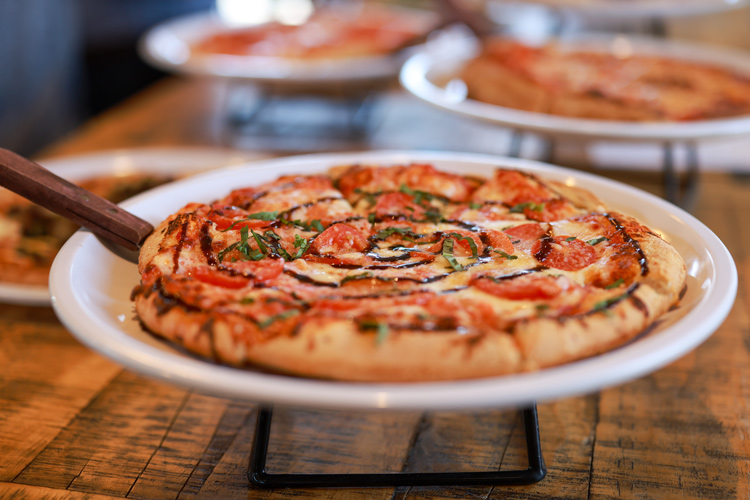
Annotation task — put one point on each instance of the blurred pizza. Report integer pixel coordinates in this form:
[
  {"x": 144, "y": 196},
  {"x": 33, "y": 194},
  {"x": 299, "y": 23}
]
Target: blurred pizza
[
  {"x": 343, "y": 31},
  {"x": 603, "y": 85},
  {"x": 31, "y": 236}
]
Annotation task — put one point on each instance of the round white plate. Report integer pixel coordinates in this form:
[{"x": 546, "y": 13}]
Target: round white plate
[
  {"x": 432, "y": 75},
  {"x": 631, "y": 9},
  {"x": 167, "y": 47},
  {"x": 91, "y": 287},
  {"x": 122, "y": 162}
]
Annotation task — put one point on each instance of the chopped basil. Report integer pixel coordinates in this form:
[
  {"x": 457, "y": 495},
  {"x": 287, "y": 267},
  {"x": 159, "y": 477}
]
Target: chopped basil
[
  {"x": 381, "y": 329},
  {"x": 433, "y": 215},
  {"x": 506, "y": 255},
  {"x": 302, "y": 244},
  {"x": 604, "y": 304},
  {"x": 470, "y": 241},
  {"x": 389, "y": 231},
  {"x": 475, "y": 206},
  {"x": 278, "y": 317},
  {"x": 571, "y": 238},
  {"x": 596, "y": 241},
  {"x": 247, "y": 300},
  {"x": 357, "y": 277},
  {"x": 448, "y": 255},
  {"x": 370, "y": 197},
  {"x": 243, "y": 247},
  {"x": 266, "y": 216},
  {"x": 312, "y": 225},
  {"x": 371, "y": 217},
  {"x": 615, "y": 284},
  {"x": 520, "y": 207}
]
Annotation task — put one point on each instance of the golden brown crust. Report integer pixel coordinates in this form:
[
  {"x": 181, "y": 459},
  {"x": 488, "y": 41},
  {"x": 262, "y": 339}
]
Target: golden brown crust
[{"x": 416, "y": 316}]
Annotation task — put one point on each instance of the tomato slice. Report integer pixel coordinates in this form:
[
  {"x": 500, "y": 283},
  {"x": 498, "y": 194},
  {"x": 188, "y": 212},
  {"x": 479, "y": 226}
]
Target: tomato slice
[
  {"x": 525, "y": 232},
  {"x": 521, "y": 287},
  {"x": 564, "y": 252},
  {"x": 215, "y": 277},
  {"x": 499, "y": 241},
  {"x": 397, "y": 204},
  {"x": 340, "y": 238}
]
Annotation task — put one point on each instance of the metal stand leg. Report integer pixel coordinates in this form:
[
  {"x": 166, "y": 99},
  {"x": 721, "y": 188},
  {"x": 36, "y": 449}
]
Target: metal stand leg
[
  {"x": 259, "y": 477},
  {"x": 682, "y": 192}
]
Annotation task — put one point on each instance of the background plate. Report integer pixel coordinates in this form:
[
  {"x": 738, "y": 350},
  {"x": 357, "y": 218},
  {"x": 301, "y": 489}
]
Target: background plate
[
  {"x": 617, "y": 9},
  {"x": 167, "y": 46},
  {"x": 431, "y": 75},
  {"x": 182, "y": 161},
  {"x": 91, "y": 286}
]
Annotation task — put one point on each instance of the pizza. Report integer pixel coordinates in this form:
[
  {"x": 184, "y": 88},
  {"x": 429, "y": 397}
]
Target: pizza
[
  {"x": 338, "y": 32},
  {"x": 603, "y": 85},
  {"x": 403, "y": 273},
  {"x": 31, "y": 236}
]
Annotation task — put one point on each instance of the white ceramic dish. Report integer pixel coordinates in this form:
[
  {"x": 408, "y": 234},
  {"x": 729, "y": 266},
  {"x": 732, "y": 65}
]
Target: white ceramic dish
[
  {"x": 167, "y": 46},
  {"x": 90, "y": 289},
  {"x": 632, "y": 9},
  {"x": 431, "y": 75},
  {"x": 122, "y": 162}
]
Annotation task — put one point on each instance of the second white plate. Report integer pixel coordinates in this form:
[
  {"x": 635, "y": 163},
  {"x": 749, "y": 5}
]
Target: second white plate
[{"x": 432, "y": 75}]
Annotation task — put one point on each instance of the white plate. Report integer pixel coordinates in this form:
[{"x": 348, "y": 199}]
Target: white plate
[
  {"x": 619, "y": 9},
  {"x": 167, "y": 46},
  {"x": 431, "y": 75},
  {"x": 122, "y": 162},
  {"x": 91, "y": 287}
]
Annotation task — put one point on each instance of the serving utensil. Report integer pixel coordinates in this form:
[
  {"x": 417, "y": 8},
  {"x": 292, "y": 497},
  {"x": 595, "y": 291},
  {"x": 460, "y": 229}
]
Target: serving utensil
[{"x": 107, "y": 220}]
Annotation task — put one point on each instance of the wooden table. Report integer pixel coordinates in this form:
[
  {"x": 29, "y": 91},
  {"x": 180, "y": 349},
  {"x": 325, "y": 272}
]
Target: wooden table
[{"x": 74, "y": 425}]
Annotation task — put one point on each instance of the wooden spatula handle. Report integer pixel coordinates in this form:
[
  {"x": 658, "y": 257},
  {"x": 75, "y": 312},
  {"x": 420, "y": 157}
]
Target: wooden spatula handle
[{"x": 39, "y": 185}]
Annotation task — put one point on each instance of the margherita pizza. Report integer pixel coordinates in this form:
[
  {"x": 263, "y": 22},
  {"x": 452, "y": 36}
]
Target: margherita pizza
[
  {"x": 601, "y": 85},
  {"x": 404, "y": 273}
]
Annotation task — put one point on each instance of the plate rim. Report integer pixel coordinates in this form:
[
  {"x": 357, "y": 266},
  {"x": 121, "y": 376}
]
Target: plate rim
[
  {"x": 642, "y": 9},
  {"x": 189, "y": 372},
  {"x": 413, "y": 78}
]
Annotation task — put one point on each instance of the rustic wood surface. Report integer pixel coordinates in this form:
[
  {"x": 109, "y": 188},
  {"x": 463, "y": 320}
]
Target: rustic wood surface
[{"x": 74, "y": 425}]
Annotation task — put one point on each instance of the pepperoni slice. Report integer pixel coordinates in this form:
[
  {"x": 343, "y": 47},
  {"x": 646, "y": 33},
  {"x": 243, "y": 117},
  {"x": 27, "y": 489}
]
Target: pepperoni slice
[
  {"x": 521, "y": 287},
  {"x": 564, "y": 252},
  {"x": 340, "y": 238}
]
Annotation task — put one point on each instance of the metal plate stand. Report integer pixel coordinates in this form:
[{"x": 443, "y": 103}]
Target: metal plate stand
[{"x": 260, "y": 477}]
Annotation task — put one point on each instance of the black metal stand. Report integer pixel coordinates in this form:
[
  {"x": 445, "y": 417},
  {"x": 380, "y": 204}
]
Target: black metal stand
[
  {"x": 259, "y": 477},
  {"x": 682, "y": 190}
]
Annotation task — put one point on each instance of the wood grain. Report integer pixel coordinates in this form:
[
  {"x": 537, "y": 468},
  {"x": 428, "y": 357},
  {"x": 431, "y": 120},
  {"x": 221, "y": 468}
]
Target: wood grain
[{"x": 75, "y": 426}]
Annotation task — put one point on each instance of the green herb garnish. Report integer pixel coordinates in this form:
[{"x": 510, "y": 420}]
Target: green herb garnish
[
  {"x": 357, "y": 277},
  {"x": 615, "y": 284},
  {"x": 448, "y": 255},
  {"x": 506, "y": 255},
  {"x": 519, "y": 208},
  {"x": 596, "y": 241},
  {"x": 278, "y": 317},
  {"x": 266, "y": 216}
]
